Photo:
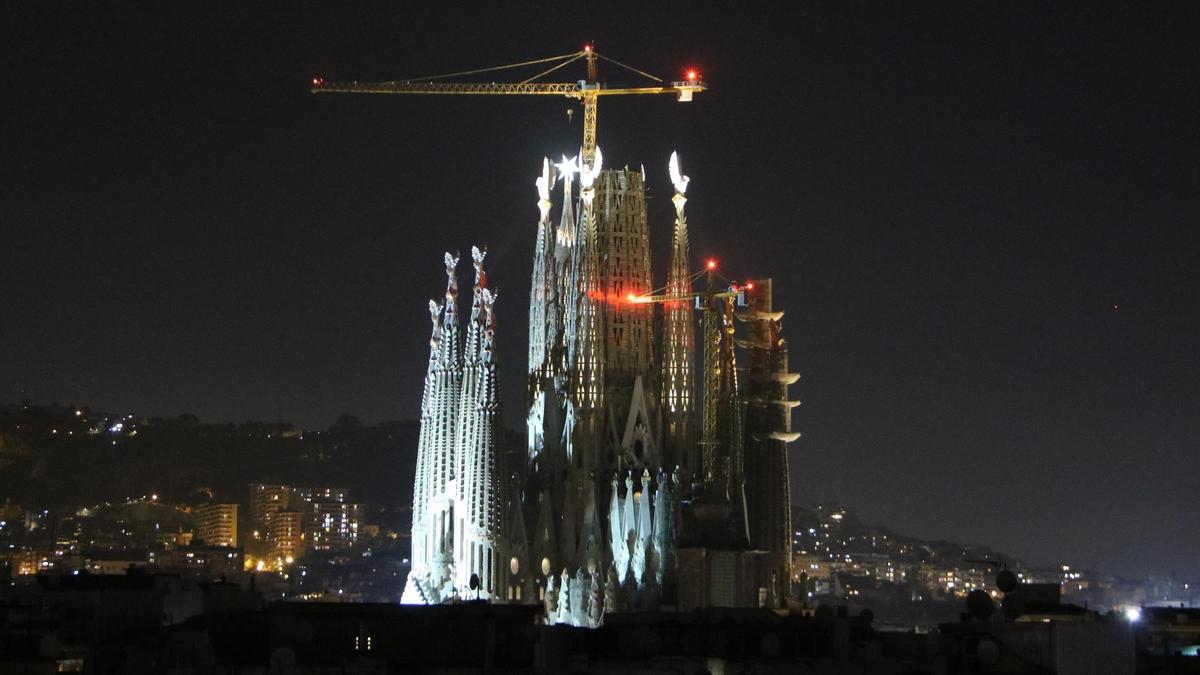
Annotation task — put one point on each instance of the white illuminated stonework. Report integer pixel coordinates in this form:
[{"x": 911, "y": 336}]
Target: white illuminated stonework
[
  {"x": 594, "y": 519},
  {"x": 459, "y": 499}
]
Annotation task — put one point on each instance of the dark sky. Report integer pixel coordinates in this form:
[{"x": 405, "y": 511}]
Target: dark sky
[{"x": 980, "y": 220}]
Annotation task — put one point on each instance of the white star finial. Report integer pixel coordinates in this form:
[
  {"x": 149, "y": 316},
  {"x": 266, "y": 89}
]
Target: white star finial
[{"x": 567, "y": 166}]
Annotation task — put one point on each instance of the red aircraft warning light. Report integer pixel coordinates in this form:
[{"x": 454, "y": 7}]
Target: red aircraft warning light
[
  {"x": 692, "y": 75},
  {"x": 712, "y": 264}
]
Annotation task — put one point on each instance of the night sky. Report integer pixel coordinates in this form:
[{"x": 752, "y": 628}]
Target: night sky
[{"x": 979, "y": 218}]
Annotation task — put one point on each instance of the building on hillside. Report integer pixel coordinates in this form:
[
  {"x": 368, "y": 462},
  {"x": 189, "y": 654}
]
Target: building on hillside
[
  {"x": 330, "y": 526},
  {"x": 286, "y": 536},
  {"x": 265, "y": 501},
  {"x": 216, "y": 524},
  {"x": 328, "y": 520}
]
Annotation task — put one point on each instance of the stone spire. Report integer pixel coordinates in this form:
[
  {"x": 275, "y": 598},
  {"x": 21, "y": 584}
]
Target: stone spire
[
  {"x": 566, "y": 265},
  {"x": 483, "y": 492},
  {"x": 449, "y": 370},
  {"x": 426, "y": 445},
  {"x": 545, "y": 319},
  {"x": 459, "y": 509},
  {"x": 480, "y": 485},
  {"x": 584, "y": 337},
  {"x": 679, "y": 339},
  {"x": 432, "y": 501},
  {"x": 543, "y": 291},
  {"x": 588, "y": 386},
  {"x": 469, "y": 387}
]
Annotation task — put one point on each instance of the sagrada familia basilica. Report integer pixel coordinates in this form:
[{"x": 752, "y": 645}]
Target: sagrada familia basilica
[{"x": 642, "y": 485}]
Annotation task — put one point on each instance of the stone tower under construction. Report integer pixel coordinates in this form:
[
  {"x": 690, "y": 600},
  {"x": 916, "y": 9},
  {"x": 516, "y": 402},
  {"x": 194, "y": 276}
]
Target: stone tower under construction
[{"x": 642, "y": 485}]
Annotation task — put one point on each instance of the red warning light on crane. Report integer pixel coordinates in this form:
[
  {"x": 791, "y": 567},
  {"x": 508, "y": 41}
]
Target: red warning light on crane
[
  {"x": 712, "y": 264},
  {"x": 587, "y": 48},
  {"x": 692, "y": 74}
]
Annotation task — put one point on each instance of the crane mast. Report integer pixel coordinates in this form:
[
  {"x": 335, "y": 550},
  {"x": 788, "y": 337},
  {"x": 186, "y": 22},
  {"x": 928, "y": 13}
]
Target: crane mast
[
  {"x": 587, "y": 91},
  {"x": 716, "y": 330}
]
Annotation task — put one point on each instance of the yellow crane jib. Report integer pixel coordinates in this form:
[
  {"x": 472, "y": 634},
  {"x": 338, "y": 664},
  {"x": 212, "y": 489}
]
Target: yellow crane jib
[{"x": 586, "y": 90}]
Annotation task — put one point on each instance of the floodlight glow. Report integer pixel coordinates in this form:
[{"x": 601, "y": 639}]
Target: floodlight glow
[
  {"x": 567, "y": 166},
  {"x": 1133, "y": 614}
]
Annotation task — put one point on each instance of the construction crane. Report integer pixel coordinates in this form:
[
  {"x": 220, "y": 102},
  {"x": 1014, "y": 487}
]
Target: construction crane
[
  {"x": 587, "y": 91},
  {"x": 717, "y": 334}
]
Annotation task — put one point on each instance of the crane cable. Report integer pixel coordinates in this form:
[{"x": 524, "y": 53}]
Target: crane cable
[
  {"x": 691, "y": 280},
  {"x": 569, "y": 59},
  {"x": 486, "y": 70},
  {"x": 639, "y": 72},
  {"x": 551, "y": 70}
]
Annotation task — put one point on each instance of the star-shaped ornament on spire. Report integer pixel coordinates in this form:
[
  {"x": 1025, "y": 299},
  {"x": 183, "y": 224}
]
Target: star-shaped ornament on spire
[{"x": 567, "y": 166}]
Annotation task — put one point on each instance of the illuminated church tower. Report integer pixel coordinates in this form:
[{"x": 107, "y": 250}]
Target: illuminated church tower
[
  {"x": 601, "y": 503},
  {"x": 636, "y": 491},
  {"x": 459, "y": 499},
  {"x": 679, "y": 340}
]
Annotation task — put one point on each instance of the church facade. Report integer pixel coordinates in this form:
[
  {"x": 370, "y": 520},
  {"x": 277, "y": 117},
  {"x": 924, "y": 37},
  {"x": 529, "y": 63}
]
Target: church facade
[{"x": 640, "y": 485}]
